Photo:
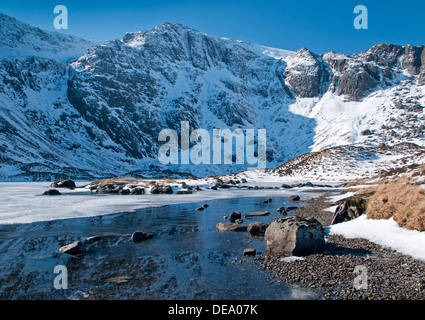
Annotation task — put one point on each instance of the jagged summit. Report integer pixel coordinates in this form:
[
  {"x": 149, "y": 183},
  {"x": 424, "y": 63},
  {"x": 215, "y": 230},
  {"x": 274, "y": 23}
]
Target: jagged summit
[
  {"x": 138, "y": 37},
  {"x": 172, "y": 37}
]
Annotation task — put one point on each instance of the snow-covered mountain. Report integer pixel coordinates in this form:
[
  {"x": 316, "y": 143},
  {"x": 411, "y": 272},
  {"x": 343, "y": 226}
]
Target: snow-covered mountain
[
  {"x": 20, "y": 40},
  {"x": 100, "y": 114}
]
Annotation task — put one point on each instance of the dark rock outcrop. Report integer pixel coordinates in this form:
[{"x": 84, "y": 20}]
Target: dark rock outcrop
[
  {"x": 137, "y": 191},
  {"x": 124, "y": 191},
  {"x": 166, "y": 189},
  {"x": 349, "y": 209},
  {"x": 306, "y": 79},
  {"x": 63, "y": 184}
]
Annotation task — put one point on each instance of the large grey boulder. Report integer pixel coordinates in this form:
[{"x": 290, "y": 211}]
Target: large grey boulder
[{"x": 294, "y": 236}]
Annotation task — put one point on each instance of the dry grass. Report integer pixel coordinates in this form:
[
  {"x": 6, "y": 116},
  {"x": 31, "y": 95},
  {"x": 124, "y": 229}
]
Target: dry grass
[
  {"x": 400, "y": 200},
  {"x": 395, "y": 193},
  {"x": 117, "y": 180}
]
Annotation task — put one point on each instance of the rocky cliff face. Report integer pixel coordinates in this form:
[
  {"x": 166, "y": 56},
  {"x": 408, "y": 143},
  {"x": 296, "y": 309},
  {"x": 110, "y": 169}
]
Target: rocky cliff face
[
  {"x": 99, "y": 113},
  {"x": 306, "y": 74},
  {"x": 153, "y": 80},
  {"x": 421, "y": 80},
  {"x": 309, "y": 75}
]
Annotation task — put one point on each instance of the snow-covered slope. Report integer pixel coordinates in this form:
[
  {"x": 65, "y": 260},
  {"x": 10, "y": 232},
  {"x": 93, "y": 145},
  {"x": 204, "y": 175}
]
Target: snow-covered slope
[
  {"x": 351, "y": 162},
  {"x": 101, "y": 114},
  {"x": 20, "y": 40}
]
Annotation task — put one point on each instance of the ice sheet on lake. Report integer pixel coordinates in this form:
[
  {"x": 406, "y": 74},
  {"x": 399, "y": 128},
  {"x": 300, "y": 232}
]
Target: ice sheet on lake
[{"x": 22, "y": 201}]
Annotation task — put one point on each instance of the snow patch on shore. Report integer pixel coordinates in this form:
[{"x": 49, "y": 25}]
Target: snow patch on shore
[{"x": 386, "y": 233}]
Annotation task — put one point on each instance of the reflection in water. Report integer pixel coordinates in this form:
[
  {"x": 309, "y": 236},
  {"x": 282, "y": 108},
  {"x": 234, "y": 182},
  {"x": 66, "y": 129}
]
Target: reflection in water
[{"x": 186, "y": 259}]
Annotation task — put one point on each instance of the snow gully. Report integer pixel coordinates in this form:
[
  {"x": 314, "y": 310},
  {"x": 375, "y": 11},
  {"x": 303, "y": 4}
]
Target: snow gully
[{"x": 246, "y": 149}]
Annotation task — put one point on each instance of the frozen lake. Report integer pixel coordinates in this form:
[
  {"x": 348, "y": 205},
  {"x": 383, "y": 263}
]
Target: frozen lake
[
  {"x": 21, "y": 202},
  {"x": 186, "y": 259}
]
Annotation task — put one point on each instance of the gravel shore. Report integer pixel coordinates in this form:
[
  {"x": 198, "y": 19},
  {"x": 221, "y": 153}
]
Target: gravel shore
[{"x": 354, "y": 269}]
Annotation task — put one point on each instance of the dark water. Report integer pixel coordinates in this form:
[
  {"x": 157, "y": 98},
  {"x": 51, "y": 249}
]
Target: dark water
[{"x": 186, "y": 259}]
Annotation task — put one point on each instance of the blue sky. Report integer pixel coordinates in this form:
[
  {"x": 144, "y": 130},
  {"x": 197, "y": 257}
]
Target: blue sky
[{"x": 320, "y": 26}]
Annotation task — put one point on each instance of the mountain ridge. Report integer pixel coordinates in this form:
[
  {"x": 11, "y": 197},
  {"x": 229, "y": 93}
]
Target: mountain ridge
[
  {"x": 100, "y": 114},
  {"x": 20, "y": 40}
]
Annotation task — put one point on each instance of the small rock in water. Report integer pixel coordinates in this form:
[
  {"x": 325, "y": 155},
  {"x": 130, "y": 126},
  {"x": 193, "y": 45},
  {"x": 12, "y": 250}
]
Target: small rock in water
[
  {"x": 257, "y": 228},
  {"x": 72, "y": 249},
  {"x": 230, "y": 227},
  {"x": 294, "y": 198},
  {"x": 249, "y": 252},
  {"x": 281, "y": 211},
  {"x": 93, "y": 238},
  {"x": 51, "y": 192},
  {"x": 139, "y": 236},
  {"x": 235, "y": 215},
  {"x": 184, "y": 192},
  {"x": 256, "y": 214},
  {"x": 291, "y": 208},
  {"x": 119, "y": 279}
]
